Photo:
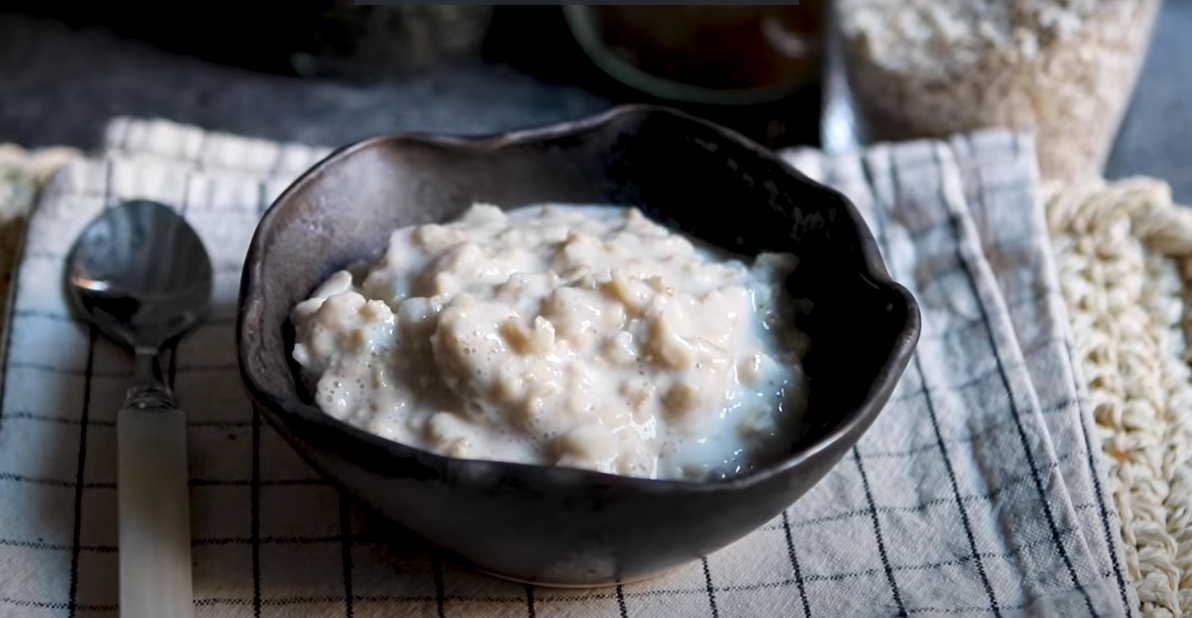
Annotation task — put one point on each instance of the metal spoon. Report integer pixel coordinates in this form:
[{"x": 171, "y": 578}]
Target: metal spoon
[{"x": 140, "y": 273}]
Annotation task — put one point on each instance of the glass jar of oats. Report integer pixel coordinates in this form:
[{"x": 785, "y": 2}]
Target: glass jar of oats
[{"x": 1062, "y": 69}]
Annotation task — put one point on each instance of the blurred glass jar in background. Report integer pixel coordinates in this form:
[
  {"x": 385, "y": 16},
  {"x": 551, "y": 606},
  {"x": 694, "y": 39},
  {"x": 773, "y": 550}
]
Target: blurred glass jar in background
[
  {"x": 374, "y": 42},
  {"x": 1062, "y": 69},
  {"x": 728, "y": 55}
]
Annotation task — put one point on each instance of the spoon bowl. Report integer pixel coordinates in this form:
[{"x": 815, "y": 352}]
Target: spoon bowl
[{"x": 140, "y": 274}]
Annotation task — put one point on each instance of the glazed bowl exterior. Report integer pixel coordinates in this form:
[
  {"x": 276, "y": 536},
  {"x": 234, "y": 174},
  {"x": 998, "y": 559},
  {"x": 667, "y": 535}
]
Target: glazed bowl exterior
[{"x": 562, "y": 526}]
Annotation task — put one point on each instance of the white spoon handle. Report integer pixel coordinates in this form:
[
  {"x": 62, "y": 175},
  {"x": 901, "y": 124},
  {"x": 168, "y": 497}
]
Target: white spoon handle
[{"x": 155, "y": 569}]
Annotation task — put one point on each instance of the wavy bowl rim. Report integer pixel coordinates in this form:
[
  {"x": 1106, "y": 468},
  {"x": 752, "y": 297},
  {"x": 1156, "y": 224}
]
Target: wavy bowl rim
[{"x": 848, "y": 430}]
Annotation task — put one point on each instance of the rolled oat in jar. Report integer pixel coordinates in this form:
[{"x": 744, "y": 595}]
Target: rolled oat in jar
[{"x": 1063, "y": 69}]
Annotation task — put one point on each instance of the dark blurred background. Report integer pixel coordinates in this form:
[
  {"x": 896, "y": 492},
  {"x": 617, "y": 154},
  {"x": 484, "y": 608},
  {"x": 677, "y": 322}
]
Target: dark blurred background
[
  {"x": 527, "y": 50},
  {"x": 66, "y": 68}
]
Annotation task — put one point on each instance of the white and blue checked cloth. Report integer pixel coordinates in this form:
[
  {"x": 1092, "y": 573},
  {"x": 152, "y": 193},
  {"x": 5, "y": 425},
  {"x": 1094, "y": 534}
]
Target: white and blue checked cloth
[{"x": 978, "y": 492}]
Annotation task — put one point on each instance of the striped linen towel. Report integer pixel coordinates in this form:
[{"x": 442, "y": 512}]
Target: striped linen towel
[{"x": 975, "y": 493}]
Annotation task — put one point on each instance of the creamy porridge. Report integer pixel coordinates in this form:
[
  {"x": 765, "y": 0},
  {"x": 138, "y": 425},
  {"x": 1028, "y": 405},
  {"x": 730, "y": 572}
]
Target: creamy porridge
[{"x": 579, "y": 336}]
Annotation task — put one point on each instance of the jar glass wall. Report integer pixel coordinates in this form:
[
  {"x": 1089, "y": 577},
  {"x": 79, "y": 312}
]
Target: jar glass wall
[{"x": 1062, "y": 70}]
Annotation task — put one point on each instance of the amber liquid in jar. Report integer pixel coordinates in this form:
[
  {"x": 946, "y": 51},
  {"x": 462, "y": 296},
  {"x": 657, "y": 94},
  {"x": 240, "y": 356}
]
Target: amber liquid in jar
[{"x": 716, "y": 47}]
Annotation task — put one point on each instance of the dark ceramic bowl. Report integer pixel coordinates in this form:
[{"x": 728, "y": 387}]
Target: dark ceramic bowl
[{"x": 560, "y": 526}]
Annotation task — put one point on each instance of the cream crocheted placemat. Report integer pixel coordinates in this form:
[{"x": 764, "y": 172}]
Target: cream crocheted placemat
[
  {"x": 1124, "y": 254},
  {"x": 22, "y": 173}
]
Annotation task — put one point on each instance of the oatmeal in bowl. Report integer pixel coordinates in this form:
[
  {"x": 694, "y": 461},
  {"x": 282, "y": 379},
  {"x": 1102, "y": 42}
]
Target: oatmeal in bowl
[{"x": 581, "y": 336}]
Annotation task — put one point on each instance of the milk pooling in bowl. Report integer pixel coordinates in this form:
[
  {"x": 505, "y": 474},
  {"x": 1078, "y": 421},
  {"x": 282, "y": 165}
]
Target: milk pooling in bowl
[{"x": 580, "y": 336}]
